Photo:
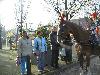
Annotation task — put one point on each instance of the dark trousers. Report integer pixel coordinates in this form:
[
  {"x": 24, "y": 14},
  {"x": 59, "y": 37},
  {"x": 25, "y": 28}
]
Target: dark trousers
[
  {"x": 68, "y": 56},
  {"x": 28, "y": 66},
  {"x": 54, "y": 58}
]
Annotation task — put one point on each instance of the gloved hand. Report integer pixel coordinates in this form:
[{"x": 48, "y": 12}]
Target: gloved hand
[
  {"x": 35, "y": 54},
  {"x": 18, "y": 61}
]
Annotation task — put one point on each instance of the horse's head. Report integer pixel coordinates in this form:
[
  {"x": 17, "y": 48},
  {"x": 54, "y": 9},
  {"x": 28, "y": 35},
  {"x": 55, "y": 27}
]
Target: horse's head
[
  {"x": 64, "y": 32},
  {"x": 78, "y": 32}
]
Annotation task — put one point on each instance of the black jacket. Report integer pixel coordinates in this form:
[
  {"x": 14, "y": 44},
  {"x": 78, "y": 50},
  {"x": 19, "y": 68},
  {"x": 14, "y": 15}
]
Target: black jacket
[{"x": 53, "y": 39}]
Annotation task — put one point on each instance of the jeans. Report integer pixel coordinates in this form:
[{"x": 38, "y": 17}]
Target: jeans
[
  {"x": 25, "y": 65},
  {"x": 41, "y": 61}
]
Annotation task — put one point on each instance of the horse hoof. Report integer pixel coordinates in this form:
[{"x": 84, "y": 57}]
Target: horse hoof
[
  {"x": 81, "y": 71},
  {"x": 86, "y": 70}
]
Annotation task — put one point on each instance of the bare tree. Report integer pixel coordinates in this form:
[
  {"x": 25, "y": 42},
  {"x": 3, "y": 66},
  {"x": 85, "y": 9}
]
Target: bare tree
[
  {"x": 71, "y": 8},
  {"x": 21, "y": 11}
]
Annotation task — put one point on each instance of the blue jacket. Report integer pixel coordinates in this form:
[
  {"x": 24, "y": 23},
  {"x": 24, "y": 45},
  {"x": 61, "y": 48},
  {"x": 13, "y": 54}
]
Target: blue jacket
[{"x": 40, "y": 44}]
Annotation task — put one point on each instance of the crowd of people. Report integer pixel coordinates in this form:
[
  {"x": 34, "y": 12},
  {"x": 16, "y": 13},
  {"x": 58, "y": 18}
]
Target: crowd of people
[{"x": 39, "y": 49}]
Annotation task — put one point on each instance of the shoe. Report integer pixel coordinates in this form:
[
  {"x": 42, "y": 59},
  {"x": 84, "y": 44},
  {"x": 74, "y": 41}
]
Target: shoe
[
  {"x": 67, "y": 62},
  {"x": 25, "y": 73},
  {"x": 57, "y": 67},
  {"x": 40, "y": 71},
  {"x": 81, "y": 71},
  {"x": 22, "y": 74},
  {"x": 51, "y": 68},
  {"x": 52, "y": 65}
]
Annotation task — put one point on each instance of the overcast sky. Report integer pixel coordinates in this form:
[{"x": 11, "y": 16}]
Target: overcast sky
[{"x": 37, "y": 13}]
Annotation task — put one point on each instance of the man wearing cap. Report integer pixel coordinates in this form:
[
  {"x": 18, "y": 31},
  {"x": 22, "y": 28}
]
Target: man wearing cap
[{"x": 24, "y": 52}]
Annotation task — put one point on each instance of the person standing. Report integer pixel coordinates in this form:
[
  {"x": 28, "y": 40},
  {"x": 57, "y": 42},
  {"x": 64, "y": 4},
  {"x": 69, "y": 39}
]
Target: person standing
[
  {"x": 40, "y": 49},
  {"x": 24, "y": 52},
  {"x": 10, "y": 42},
  {"x": 54, "y": 48}
]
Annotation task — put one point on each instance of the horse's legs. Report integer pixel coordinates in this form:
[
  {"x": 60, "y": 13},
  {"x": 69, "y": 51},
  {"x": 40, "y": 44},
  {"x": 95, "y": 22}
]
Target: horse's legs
[
  {"x": 81, "y": 59},
  {"x": 87, "y": 60}
]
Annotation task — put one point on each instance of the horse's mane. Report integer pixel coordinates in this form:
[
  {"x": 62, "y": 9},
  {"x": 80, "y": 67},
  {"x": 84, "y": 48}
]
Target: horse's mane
[{"x": 80, "y": 34}]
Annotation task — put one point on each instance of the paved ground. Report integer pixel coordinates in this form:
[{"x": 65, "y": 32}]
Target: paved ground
[
  {"x": 7, "y": 63},
  {"x": 8, "y": 67},
  {"x": 74, "y": 70}
]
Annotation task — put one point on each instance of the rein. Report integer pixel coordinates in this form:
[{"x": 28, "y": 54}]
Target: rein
[{"x": 85, "y": 43}]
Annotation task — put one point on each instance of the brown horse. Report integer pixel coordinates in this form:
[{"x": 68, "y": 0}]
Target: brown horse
[{"x": 82, "y": 37}]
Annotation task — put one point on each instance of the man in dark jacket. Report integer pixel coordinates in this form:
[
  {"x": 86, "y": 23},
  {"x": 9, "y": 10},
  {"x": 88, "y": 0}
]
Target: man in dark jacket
[{"x": 54, "y": 48}]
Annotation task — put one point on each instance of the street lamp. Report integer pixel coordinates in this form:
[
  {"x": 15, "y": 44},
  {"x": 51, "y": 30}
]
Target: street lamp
[
  {"x": 0, "y": 36},
  {"x": 22, "y": 7},
  {"x": 21, "y": 17},
  {"x": 66, "y": 10}
]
